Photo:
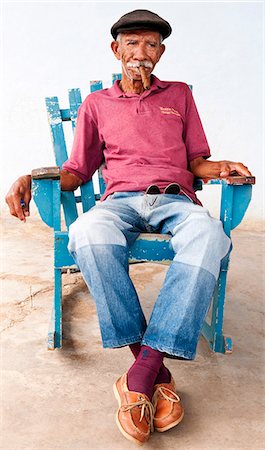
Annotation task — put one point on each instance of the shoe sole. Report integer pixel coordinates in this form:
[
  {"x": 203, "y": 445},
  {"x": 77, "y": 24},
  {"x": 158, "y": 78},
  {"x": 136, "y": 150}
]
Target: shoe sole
[
  {"x": 126, "y": 435},
  {"x": 171, "y": 425}
]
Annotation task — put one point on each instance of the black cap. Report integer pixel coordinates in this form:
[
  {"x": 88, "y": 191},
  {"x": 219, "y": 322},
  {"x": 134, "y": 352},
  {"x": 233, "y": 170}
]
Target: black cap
[{"x": 141, "y": 19}]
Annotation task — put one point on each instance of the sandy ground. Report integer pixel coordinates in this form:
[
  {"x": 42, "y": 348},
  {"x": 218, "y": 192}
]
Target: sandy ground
[{"x": 63, "y": 399}]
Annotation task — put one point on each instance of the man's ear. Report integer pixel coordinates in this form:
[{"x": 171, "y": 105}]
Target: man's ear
[
  {"x": 115, "y": 47},
  {"x": 162, "y": 48}
]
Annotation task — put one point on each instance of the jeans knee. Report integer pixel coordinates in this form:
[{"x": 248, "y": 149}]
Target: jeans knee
[
  {"x": 205, "y": 226},
  {"x": 200, "y": 233}
]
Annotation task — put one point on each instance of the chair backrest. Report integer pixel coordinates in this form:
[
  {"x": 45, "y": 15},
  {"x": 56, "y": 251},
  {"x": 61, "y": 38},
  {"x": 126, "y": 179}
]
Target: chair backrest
[{"x": 57, "y": 118}]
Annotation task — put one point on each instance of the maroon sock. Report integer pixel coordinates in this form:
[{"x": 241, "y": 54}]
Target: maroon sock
[
  {"x": 163, "y": 376},
  {"x": 135, "y": 349},
  {"x": 142, "y": 375}
]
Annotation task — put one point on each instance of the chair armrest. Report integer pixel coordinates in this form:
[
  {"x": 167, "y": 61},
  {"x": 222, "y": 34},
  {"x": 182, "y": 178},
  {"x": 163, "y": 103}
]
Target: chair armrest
[
  {"x": 239, "y": 180},
  {"x": 43, "y": 173},
  {"x": 235, "y": 180}
]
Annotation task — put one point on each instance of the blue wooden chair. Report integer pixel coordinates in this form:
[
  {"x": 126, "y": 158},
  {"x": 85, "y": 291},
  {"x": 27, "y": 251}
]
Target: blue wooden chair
[{"x": 236, "y": 195}]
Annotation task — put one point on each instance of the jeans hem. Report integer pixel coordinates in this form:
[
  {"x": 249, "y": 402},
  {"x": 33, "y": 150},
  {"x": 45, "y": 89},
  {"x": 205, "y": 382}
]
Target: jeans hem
[
  {"x": 169, "y": 350},
  {"x": 122, "y": 342}
]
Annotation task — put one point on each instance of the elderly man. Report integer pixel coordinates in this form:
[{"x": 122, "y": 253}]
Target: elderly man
[{"x": 150, "y": 135}]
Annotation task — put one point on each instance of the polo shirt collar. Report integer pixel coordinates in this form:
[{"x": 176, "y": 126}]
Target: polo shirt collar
[{"x": 115, "y": 90}]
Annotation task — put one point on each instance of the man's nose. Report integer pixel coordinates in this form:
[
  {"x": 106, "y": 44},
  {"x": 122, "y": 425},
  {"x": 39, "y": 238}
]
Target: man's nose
[{"x": 140, "y": 53}]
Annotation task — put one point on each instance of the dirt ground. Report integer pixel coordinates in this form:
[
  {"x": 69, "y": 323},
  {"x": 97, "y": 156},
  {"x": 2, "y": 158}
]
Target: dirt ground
[{"x": 63, "y": 400}]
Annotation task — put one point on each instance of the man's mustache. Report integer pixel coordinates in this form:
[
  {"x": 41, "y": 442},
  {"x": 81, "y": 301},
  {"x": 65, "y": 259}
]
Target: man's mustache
[{"x": 136, "y": 64}]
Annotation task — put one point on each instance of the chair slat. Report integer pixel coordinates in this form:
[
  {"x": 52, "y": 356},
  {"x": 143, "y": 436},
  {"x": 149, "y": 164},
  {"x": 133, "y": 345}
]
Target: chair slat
[
  {"x": 95, "y": 85},
  {"x": 56, "y": 127},
  {"x": 75, "y": 101},
  {"x": 87, "y": 190},
  {"x": 60, "y": 152},
  {"x": 65, "y": 114},
  {"x": 116, "y": 76},
  {"x": 87, "y": 196},
  {"x": 102, "y": 185},
  {"x": 69, "y": 207}
]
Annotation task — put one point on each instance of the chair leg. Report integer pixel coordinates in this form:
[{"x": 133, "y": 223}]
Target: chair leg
[
  {"x": 55, "y": 329},
  {"x": 213, "y": 332},
  {"x": 218, "y": 314}
]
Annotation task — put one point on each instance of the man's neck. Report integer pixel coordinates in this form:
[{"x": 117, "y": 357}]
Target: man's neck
[{"x": 132, "y": 86}]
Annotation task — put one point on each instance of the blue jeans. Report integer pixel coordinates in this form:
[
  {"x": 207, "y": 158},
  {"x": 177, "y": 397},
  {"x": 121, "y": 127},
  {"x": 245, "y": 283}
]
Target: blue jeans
[{"x": 99, "y": 242}]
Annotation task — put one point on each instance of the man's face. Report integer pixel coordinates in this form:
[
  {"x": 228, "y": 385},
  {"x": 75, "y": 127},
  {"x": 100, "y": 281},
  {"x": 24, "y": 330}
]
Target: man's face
[{"x": 138, "y": 48}]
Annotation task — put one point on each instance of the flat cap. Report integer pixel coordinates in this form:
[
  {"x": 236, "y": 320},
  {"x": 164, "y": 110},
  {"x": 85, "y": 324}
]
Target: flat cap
[{"x": 141, "y": 19}]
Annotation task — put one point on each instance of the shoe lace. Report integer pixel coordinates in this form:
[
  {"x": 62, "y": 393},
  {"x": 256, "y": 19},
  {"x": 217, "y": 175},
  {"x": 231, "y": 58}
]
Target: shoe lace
[
  {"x": 162, "y": 390},
  {"x": 146, "y": 407}
]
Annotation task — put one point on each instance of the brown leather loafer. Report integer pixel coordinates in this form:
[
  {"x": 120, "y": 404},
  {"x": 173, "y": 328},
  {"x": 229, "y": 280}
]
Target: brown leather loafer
[
  {"x": 168, "y": 408},
  {"x": 135, "y": 414}
]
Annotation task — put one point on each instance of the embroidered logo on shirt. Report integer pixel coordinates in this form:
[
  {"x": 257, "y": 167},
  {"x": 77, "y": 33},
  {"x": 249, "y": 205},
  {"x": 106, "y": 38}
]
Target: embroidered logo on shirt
[{"x": 169, "y": 111}]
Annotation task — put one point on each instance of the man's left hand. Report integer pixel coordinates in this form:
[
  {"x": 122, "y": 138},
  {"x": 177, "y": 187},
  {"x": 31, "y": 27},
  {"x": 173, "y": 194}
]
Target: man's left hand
[{"x": 202, "y": 168}]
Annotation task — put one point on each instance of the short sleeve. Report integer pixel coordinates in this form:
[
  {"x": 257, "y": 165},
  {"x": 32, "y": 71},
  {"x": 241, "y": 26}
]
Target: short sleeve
[
  {"x": 193, "y": 134},
  {"x": 87, "y": 151}
]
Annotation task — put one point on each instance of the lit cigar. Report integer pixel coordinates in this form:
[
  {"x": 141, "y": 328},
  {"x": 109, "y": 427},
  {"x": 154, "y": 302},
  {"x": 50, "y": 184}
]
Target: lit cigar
[{"x": 145, "y": 79}]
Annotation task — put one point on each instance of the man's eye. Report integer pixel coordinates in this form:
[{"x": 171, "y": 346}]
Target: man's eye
[{"x": 131, "y": 43}]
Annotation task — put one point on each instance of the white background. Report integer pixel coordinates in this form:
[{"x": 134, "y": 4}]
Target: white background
[{"x": 48, "y": 47}]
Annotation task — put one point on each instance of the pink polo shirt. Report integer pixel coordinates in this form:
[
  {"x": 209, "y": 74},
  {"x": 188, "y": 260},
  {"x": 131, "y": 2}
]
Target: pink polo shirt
[{"x": 145, "y": 139}]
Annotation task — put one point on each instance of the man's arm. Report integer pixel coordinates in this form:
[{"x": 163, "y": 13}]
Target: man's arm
[
  {"x": 19, "y": 195},
  {"x": 203, "y": 168}
]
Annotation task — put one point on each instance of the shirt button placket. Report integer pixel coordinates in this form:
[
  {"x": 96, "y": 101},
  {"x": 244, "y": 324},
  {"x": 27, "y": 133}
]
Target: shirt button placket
[{"x": 139, "y": 107}]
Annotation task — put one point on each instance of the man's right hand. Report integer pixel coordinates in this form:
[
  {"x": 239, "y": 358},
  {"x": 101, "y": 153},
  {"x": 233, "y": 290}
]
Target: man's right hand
[{"x": 19, "y": 196}]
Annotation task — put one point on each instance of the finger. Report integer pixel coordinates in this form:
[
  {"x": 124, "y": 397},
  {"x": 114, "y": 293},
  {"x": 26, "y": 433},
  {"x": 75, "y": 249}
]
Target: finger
[
  {"x": 224, "y": 173},
  {"x": 15, "y": 213},
  {"x": 241, "y": 169},
  {"x": 10, "y": 202},
  {"x": 26, "y": 199},
  {"x": 224, "y": 170},
  {"x": 24, "y": 208},
  {"x": 11, "y": 209},
  {"x": 18, "y": 207}
]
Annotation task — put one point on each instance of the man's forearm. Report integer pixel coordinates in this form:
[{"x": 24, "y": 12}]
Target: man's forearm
[
  {"x": 69, "y": 181},
  {"x": 205, "y": 169}
]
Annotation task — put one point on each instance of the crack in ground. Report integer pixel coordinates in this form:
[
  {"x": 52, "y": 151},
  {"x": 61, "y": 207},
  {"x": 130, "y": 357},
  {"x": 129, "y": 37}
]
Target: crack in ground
[
  {"x": 28, "y": 302},
  {"x": 22, "y": 312}
]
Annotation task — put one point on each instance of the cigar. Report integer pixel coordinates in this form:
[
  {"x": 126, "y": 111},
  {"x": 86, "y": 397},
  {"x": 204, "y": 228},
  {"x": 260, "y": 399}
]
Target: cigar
[{"x": 145, "y": 80}]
